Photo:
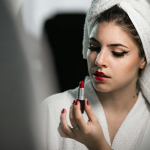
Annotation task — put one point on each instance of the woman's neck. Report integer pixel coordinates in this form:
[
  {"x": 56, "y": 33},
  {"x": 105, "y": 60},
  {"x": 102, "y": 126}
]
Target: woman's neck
[{"x": 118, "y": 101}]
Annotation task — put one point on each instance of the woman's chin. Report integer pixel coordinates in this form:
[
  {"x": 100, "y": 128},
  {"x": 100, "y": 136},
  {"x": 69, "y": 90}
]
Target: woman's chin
[{"x": 101, "y": 87}]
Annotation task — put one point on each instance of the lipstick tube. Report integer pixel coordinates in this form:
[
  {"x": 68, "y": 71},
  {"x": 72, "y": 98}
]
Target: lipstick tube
[{"x": 80, "y": 96}]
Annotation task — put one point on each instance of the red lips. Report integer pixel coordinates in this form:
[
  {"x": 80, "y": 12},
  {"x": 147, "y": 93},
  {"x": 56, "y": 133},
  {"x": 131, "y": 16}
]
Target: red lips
[{"x": 100, "y": 76}]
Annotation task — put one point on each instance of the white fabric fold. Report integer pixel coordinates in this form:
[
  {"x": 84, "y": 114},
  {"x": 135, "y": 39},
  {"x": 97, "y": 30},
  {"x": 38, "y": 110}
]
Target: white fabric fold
[
  {"x": 139, "y": 13},
  {"x": 131, "y": 132}
]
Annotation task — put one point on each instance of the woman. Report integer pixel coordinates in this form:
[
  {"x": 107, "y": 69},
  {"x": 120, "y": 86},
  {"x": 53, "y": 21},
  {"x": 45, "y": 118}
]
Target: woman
[{"x": 117, "y": 106}]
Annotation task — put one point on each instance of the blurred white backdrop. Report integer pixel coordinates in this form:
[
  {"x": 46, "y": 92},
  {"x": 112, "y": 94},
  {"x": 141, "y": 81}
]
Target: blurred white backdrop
[{"x": 35, "y": 12}]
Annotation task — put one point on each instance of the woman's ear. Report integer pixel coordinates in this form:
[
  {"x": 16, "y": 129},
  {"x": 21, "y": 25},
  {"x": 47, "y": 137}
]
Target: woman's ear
[{"x": 143, "y": 63}]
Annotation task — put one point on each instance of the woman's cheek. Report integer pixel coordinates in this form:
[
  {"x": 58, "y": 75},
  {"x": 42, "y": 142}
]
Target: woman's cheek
[{"x": 127, "y": 72}]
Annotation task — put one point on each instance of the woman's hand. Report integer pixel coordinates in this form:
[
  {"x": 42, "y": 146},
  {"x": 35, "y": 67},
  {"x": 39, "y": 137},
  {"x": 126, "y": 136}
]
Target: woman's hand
[{"x": 90, "y": 134}]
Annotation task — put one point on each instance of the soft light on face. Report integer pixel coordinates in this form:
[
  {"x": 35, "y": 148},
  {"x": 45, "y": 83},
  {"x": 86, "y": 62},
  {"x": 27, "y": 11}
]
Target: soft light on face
[{"x": 112, "y": 52}]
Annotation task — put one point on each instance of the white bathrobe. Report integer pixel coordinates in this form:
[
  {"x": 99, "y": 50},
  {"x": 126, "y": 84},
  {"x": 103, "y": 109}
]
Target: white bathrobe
[{"x": 128, "y": 137}]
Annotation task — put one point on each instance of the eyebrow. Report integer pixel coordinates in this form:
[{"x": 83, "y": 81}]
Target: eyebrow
[{"x": 109, "y": 45}]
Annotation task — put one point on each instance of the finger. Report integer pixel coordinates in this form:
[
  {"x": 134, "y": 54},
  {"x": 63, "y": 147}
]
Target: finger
[
  {"x": 64, "y": 125},
  {"x": 91, "y": 115},
  {"x": 62, "y": 134},
  {"x": 78, "y": 117},
  {"x": 71, "y": 115}
]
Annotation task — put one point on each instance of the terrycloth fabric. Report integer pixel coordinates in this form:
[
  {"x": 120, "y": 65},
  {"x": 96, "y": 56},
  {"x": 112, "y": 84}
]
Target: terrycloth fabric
[
  {"x": 128, "y": 137},
  {"x": 139, "y": 13}
]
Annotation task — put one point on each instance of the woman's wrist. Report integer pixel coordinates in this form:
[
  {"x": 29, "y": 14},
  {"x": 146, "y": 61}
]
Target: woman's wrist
[{"x": 102, "y": 145}]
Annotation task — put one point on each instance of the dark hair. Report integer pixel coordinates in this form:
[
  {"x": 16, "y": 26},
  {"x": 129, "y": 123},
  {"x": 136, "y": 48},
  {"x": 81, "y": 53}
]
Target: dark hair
[{"x": 119, "y": 17}]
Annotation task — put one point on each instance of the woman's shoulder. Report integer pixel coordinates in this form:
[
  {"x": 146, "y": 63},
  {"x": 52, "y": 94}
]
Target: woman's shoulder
[
  {"x": 60, "y": 99},
  {"x": 63, "y": 99},
  {"x": 66, "y": 95}
]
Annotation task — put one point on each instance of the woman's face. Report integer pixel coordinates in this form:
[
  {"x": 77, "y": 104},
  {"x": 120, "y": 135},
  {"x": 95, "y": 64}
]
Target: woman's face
[{"x": 112, "y": 52}]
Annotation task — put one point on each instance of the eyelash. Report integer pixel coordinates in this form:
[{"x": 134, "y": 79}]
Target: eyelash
[
  {"x": 116, "y": 54},
  {"x": 119, "y": 54}
]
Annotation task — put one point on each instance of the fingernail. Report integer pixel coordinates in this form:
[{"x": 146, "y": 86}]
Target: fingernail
[
  {"x": 63, "y": 111},
  {"x": 77, "y": 102},
  {"x": 74, "y": 102},
  {"x": 87, "y": 102}
]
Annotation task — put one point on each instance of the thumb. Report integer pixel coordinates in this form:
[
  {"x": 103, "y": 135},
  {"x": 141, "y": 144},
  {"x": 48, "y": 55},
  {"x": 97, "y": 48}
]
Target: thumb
[{"x": 92, "y": 117}]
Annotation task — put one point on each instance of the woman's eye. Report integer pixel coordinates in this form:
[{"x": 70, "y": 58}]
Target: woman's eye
[
  {"x": 93, "y": 48},
  {"x": 117, "y": 54}
]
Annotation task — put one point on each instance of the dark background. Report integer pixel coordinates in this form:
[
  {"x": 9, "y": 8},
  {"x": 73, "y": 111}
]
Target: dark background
[{"x": 65, "y": 35}]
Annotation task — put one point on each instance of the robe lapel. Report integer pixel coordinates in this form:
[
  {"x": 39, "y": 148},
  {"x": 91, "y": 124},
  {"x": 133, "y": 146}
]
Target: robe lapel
[{"x": 130, "y": 133}]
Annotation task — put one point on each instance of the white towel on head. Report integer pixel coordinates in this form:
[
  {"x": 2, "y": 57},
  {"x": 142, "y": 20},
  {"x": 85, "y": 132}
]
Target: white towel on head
[{"x": 139, "y": 13}]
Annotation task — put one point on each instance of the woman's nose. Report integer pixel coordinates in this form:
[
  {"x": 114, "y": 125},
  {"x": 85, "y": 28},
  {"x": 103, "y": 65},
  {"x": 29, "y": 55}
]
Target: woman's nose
[{"x": 102, "y": 59}]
